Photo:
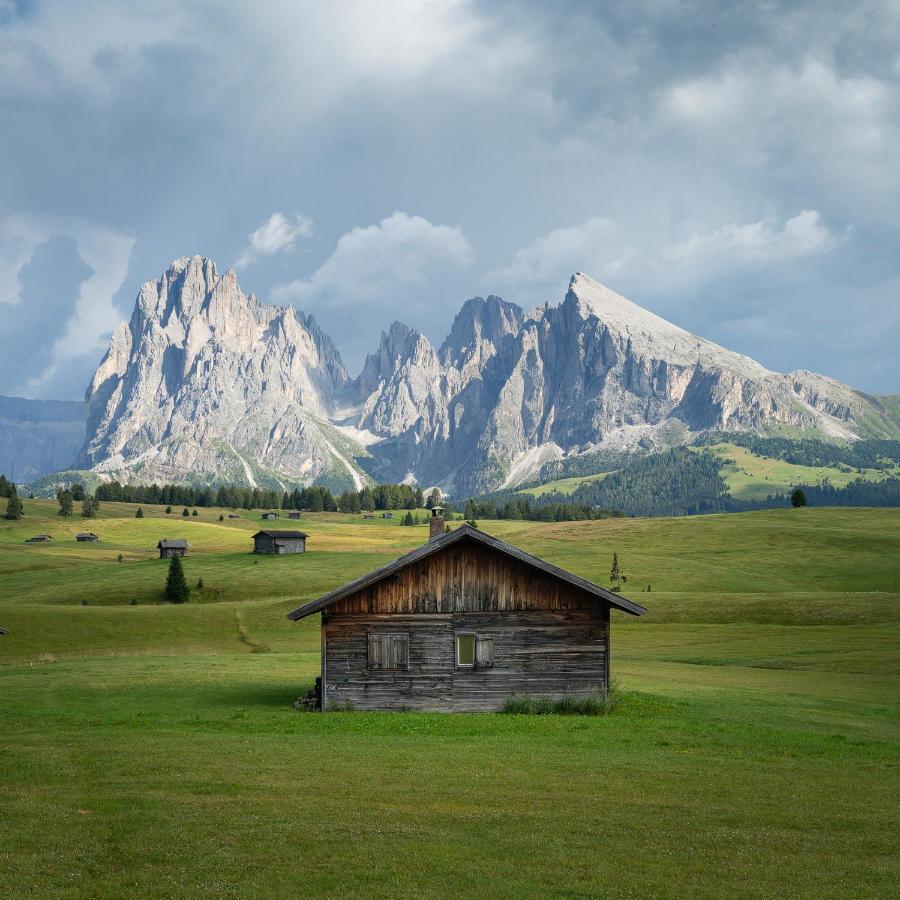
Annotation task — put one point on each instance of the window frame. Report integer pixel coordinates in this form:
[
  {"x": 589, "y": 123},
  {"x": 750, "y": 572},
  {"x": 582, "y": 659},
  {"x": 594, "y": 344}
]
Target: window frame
[{"x": 471, "y": 634}]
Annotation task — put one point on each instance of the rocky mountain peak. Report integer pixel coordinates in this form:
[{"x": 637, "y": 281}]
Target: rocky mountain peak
[
  {"x": 479, "y": 321},
  {"x": 208, "y": 384}
]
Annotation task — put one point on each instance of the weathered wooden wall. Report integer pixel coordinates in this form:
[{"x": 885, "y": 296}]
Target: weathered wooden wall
[
  {"x": 546, "y": 653},
  {"x": 549, "y": 638},
  {"x": 465, "y": 577},
  {"x": 266, "y": 544}
]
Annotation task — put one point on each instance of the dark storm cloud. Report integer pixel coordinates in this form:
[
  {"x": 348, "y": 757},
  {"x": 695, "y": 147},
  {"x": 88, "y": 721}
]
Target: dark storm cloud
[{"x": 731, "y": 166}]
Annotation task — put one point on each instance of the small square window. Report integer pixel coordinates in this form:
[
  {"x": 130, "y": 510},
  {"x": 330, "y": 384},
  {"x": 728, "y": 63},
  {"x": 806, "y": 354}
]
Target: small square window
[{"x": 465, "y": 650}]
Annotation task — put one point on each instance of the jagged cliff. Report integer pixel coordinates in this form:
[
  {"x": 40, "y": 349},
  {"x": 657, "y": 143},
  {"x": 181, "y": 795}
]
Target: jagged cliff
[{"x": 207, "y": 383}]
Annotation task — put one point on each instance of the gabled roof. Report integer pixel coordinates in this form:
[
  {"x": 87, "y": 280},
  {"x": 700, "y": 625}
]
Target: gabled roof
[
  {"x": 85, "y": 534},
  {"x": 466, "y": 532},
  {"x": 166, "y": 544},
  {"x": 281, "y": 534}
]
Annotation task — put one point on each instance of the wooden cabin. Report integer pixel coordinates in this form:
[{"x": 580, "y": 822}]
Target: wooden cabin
[
  {"x": 87, "y": 536},
  {"x": 387, "y": 515},
  {"x": 279, "y": 542},
  {"x": 168, "y": 549},
  {"x": 368, "y": 515},
  {"x": 39, "y": 539},
  {"x": 233, "y": 516},
  {"x": 269, "y": 515},
  {"x": 294, "y": 514},
  {"x": 462, "y": 624}
]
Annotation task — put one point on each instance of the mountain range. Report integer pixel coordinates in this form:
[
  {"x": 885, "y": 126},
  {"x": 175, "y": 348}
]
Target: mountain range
[{"x": 205, "y": 383}]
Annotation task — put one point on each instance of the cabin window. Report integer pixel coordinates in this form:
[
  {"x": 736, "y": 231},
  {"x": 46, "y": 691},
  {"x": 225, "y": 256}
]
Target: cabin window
[
  {"x": 465, "y": 651},
  {"x": 389, "y": 652}
]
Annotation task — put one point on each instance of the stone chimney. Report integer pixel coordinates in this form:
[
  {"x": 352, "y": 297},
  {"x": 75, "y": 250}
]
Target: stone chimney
[{"x": 436, "y": 525}]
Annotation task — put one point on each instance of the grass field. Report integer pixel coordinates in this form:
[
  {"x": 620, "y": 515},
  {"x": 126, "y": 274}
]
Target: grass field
[
  {"x": 563, "y": 485},
  {"x": 152, "y": 750},
  {"x": 752, "y": 477}
]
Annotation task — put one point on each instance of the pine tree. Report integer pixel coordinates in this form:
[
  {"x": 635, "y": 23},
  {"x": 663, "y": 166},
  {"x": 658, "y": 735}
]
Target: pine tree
[
  {"x": 14, "y": 508},
  {"x": 89, "y": 507},
  {"x": 615, "y": 573},
  {"x": 139, "y": 514},
  {"x": 168, "y": 509},
  {"x": 434, "y": 498},
  {"x": 408, "y": 519},
  {"x": 420, "y": 498},
  {"x": 185, "y": 512},
  {"x": 194, "y": 512},
  {"x": 65, "y": 499},
  {"x": 798, "y": 498},
  {"x": 199, "y": 584},
  {"x": 77, "y": 491},
  {"x": 177, "y": 590}
]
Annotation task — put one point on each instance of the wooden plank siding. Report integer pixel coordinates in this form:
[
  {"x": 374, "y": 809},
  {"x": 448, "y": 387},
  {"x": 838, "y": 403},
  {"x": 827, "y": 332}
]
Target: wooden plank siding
[{"x": 535, "y": 635}]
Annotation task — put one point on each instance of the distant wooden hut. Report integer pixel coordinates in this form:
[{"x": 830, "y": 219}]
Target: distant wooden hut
[
  {"x": 368, "y": 515},
  {"x": 463, "y": 623},
  {"x": 278, "y": 542},
  {"x": 87, "y": 537},
  {"x": 168, "y": 549},
  {"x": 294, "y": 514},
  {"x": 387, "y": 515},
  {"x": 233, "y": 516},
  {"x": 39, "y": 539},
  {"x": 270, "y": 515}
]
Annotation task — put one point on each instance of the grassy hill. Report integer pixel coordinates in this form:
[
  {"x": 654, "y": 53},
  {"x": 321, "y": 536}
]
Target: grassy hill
[{"x": 150, "y": 749}]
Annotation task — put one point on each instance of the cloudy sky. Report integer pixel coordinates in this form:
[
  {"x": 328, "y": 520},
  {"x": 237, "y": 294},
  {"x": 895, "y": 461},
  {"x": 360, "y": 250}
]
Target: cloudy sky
[{"x": 735, "y": 167}]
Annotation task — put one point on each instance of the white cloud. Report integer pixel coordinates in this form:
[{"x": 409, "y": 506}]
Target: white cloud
[
  {"x": 636, "y": 262},
  {"x": 94, "y": 315},
  {"x": 398, "y": 257},
  {"x": 594, "y": 246},
  {"x": 756, "y": 243},
  {"x": 277, "y": 233}
]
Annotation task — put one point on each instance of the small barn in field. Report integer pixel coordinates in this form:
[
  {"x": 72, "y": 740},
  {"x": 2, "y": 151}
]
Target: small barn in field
[
  {"x": 39, "y": 539},
  {"x": 269, "y": 516},
  {"x": 279, "y": 542},
  {"x": 294, "y": 514},
  {"x": 463, "y": 623},
  {"x": 169, "y": 548},
  {"x": 86, "y": 537}
]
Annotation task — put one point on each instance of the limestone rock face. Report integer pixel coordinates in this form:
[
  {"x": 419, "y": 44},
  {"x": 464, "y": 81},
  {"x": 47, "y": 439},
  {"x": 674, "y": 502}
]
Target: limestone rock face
[{"x": 208, "y": 384}]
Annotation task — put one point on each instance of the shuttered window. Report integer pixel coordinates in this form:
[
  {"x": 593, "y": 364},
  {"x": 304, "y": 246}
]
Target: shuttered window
[
  {"x": 389, "y": 652},
  {"x": 484, "y": 652}
]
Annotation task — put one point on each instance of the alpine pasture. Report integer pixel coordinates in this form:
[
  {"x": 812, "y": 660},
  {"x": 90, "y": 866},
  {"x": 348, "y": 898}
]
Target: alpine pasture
[{"x": 149, "y": 749}]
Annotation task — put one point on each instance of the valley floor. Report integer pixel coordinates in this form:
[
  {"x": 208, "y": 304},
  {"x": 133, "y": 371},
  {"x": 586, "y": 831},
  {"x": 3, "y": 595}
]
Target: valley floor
[{"x": 152, "y": 750}]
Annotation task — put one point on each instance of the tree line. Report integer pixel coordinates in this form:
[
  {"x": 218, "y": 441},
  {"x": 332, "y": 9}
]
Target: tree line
[{"x": 312, "y": 499}]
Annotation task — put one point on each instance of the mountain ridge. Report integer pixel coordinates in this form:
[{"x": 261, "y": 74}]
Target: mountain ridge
[{"x": 207, "y": 382}]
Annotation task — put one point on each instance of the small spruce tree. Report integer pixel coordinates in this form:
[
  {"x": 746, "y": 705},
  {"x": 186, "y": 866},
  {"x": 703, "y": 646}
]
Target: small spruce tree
[
  {"x": 139, "y": 514},
  {"x": 65, "y": 499},
  {"x": 798, "y": 498},
  {"x": 177, "y": 590},
  {"x": 89, "y": 507},
  {"x": 221, "y": 517},
  {"x": 168, "y": 509},
  {"x": 199, "y": 584},
  {"x": 408, "y": 519},
  {"x": 615, "y": 573},
  {"x": 194, "y": 512},
  {"x": 14, "y": 508},
  {"x": 185, "y": 512}
]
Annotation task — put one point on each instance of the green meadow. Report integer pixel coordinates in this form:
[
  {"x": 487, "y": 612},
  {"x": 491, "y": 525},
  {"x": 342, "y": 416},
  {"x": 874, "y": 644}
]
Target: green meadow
[{"x": 153, "y": 750}]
